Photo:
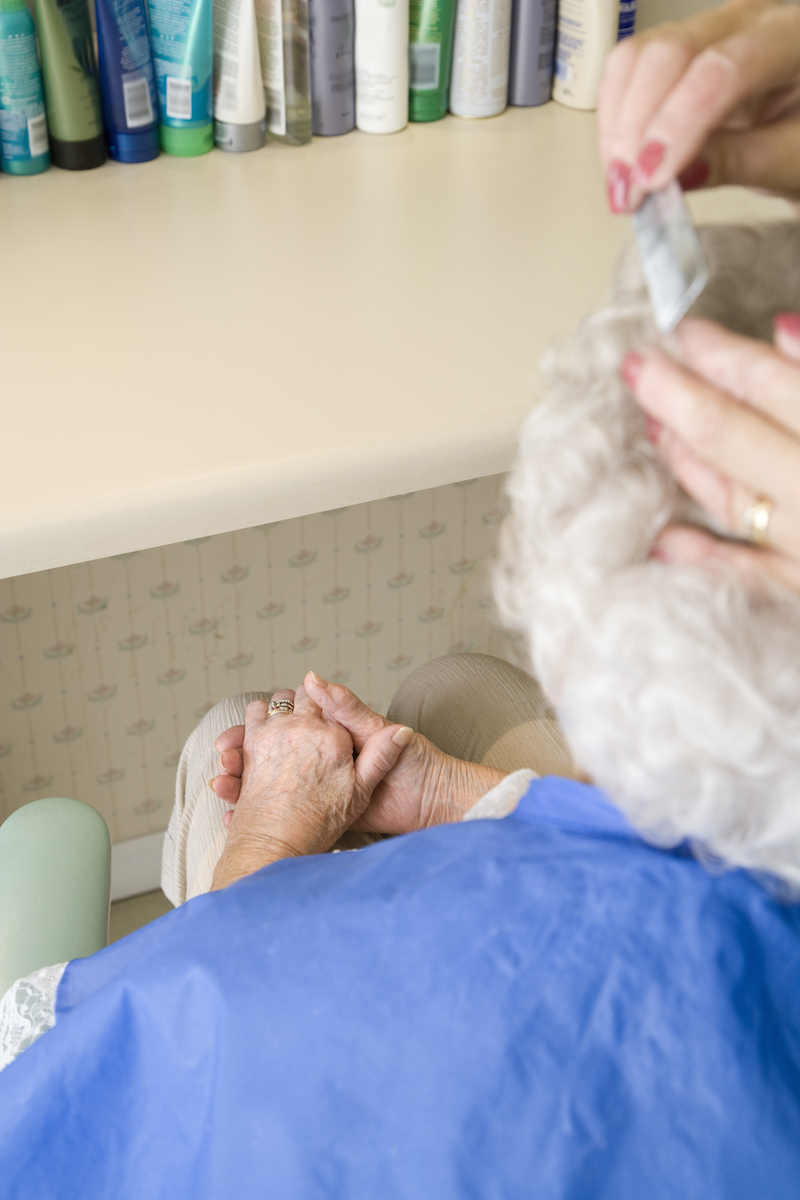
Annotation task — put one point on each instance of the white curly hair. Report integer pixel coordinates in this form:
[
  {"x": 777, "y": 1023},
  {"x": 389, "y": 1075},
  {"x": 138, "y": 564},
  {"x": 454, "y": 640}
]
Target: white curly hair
[{"x": 678, "y": 688}]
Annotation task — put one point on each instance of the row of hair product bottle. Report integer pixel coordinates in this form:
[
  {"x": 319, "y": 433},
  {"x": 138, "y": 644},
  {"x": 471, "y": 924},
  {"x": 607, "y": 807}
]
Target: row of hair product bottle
[
  {"x": 181, "y": 75},
  {"x": 377, "y": 64},
  {"x": 63, "y": 98}
]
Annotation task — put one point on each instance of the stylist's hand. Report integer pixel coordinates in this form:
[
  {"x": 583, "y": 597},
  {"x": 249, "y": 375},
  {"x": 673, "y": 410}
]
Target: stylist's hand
[
  {"x": 728, "y": 423},
  {"x": 713, "y": 99},
  {"x": 424, "y": 787},
  {"x": 300, "y": 788}
]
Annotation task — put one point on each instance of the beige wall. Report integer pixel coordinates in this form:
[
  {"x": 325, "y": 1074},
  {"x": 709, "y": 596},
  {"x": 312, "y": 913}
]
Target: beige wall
[
  {"x": 656, "y": 12},
  {"x": 105, "y": 667}
]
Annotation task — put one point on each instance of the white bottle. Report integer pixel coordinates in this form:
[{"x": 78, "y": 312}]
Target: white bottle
[
  {"x": 479, "y": 84},
  {"x": 381, "y": 55},
  {"x": 239, "y": 111},
  {"x": 587, "y": 29}
]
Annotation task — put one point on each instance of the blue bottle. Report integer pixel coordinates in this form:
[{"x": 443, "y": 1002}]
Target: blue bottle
[
  {"x": 24, "y": 148},
  {"x": 127, "y": 80}
]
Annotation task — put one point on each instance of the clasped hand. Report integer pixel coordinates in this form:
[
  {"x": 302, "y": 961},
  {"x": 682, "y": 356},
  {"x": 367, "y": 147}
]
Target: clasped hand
[{"x": 299, "y": 781}]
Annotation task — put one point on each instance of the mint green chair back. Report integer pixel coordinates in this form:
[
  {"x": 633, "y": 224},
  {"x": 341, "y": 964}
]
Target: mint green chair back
[{"x": 55, "y": 883}]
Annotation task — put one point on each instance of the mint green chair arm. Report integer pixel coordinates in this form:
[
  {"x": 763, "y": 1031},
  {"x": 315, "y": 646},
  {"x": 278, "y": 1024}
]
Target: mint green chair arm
[{"x": 55, "y": 884}]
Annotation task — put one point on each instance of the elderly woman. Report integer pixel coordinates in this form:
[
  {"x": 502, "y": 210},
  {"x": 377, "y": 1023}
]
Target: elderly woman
[
  {"x": 562, "y": 1002},
  {"x": 577, "y": 985}
]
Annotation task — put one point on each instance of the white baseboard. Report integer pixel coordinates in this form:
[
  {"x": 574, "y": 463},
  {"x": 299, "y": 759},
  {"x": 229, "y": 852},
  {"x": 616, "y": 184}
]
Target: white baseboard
[{"x": 136, "y": 866}]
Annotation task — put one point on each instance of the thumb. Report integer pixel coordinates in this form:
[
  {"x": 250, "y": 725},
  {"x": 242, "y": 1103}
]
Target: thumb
[
  {"x": 378, "y": 755},
  {"x": 344, "y": 706}
]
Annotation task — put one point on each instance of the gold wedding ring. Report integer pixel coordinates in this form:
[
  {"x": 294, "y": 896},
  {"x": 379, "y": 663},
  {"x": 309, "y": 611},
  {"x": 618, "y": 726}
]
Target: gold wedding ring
[
  {"x": 279, "y": 706},
  {"x": 756, "y": 519}
]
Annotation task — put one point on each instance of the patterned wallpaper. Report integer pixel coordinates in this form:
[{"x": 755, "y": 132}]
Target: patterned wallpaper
[{"x": 105, "y": 667}]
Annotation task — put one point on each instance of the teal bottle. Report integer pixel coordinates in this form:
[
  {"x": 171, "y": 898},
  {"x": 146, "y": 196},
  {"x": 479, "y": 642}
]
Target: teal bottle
[{"x": 24, "y": 147}]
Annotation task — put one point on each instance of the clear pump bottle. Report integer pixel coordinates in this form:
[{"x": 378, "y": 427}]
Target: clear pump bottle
[{"x": 286, "y": 69}]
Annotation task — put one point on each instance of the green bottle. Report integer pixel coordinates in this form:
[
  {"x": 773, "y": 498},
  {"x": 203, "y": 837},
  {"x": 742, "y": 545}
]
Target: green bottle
[
  {"x": 71, "y": 86},
  {"x": 430, "y": 53}
]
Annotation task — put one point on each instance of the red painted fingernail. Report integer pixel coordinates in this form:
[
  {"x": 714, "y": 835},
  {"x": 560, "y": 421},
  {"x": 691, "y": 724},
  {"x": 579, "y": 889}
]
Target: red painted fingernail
[
  {"x": 660, "y": 553},
  {"x": 789, "y": 323},
  {"x": 653, "y": 429},
  {"x": 695, "y": 175},
  {"x": 631, "y": 366},
  {"x": 650, "y": 159},
  {"x": 619, "y": 186}
]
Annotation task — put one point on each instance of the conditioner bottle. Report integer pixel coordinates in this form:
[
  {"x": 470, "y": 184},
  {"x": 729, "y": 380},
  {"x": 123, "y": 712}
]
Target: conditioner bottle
[
  {"x": 23, "y": 125},
  {"x": 127, "y": 80},
  {"x": 587, "y": 29},
  {"x": 479, "y": 86},
  {"x": 182, "y": 36},
  {"x": 239, "y": 109},
  {"x": 333, "y": 78},
  {"x": 533, "y": 36},
  {"x": 71, "y": 85},
  {"x": 430, "y": 52},
  {"x": 381, "y": 65}
]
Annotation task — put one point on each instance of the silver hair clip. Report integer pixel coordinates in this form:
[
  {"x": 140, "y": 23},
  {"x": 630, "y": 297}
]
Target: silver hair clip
[{"x": 672, "y": 258}]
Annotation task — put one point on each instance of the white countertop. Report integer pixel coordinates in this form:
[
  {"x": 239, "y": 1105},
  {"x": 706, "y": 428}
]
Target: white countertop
[{"x": 197, "y": 345}]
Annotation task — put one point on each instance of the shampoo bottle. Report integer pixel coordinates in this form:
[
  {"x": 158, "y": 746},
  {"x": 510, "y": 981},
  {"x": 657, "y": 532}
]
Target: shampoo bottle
[
  {"x": 587, "y": 29},
  {"x": 333, "y": 79},
  {"x": 71, "y": 86},
  {"x": 381, "y": 65},
  {"x": 530, "y": 67},
  {"x": 127, "y": 80},
  {"x": 23, "y": 125},
  {"x": 181, "y": 33},
  {"x": 239, "y": 109},
  {"x": 479, "y": 86},
  {"x": 430, "y": 52},
  {"x": 286, "y": 69}
]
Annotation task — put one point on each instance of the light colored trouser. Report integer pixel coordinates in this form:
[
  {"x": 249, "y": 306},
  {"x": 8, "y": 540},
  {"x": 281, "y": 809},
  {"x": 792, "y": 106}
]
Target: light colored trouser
[{"x": 477, "y": 708}]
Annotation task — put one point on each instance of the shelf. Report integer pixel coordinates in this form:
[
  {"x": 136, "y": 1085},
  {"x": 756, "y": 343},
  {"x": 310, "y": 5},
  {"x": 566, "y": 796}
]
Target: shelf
[{"x": 198, "y": 345}]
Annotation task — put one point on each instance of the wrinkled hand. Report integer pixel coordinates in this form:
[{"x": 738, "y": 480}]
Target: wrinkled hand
[
  {"x": 713, "y": 99},
  {"x": 300, "y": 788},
  {"x": 727, "y": 420},
  {"x": 425, "y": 786}
]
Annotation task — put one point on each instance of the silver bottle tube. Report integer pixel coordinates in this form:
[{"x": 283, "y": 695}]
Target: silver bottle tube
[
  {"x": 333, "y": 78},
  {"x": 533, "y": 35}
]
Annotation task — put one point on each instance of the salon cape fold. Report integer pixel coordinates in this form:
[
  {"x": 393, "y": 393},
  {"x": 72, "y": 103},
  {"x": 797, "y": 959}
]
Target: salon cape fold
[{"x": 536, "y": 1006}]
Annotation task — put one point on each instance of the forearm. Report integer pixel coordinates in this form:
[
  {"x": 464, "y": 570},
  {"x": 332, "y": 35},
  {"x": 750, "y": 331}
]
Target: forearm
[
  {"x": 244, "y": 855},
  {"x": 456, "y": 788},
  {"x": 261, "y": 834}
]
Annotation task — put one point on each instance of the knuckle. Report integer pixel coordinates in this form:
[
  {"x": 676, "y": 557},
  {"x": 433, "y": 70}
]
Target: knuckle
[
  {"x": 670, "y": 47},
  {"x": 724, "y": 63},
  {"x": 707, "y": 426}
]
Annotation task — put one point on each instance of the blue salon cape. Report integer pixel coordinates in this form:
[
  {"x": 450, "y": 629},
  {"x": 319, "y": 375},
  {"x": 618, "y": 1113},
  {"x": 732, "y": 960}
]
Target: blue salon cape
[{"x": 539, "y": 1007}]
